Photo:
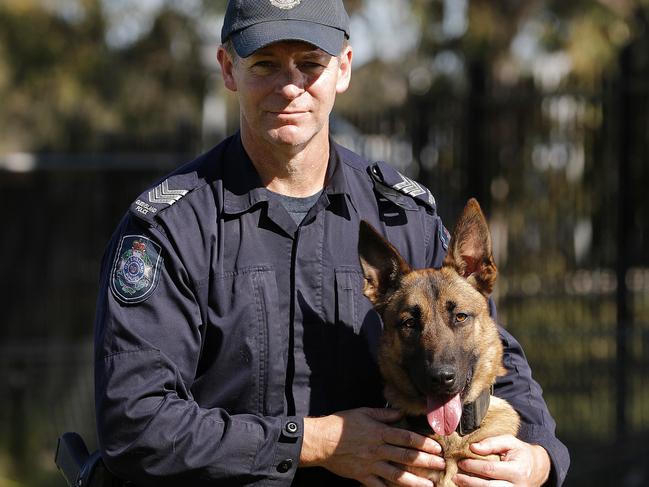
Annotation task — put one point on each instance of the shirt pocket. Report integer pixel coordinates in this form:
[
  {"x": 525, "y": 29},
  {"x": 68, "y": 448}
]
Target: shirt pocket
[
  {"x": 243, "y": 355},
  {"x": 357, "y": 379},
  {"x": 349, "y": 297}
]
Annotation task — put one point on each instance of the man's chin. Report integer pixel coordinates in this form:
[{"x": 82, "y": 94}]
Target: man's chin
[{"x": 290, "y": 135}]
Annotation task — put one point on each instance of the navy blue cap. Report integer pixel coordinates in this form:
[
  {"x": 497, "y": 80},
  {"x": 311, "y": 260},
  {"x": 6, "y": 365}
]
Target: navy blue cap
[{"x": 253, "y": 24}]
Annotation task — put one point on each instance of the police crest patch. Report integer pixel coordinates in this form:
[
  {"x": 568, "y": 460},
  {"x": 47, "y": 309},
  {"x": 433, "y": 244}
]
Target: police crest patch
[{"x": 136, "y": 269}]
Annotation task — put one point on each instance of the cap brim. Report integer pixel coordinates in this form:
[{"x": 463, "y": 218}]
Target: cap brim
[{"x": 250, "y": 39}]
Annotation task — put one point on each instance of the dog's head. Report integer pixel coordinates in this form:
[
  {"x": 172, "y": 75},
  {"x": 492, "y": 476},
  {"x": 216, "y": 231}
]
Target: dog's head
[{"x": 439, "y": 349}]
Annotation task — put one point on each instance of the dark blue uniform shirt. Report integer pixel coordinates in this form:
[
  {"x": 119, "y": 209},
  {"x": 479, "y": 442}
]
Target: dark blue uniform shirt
[{"x": 221, "y": 323}]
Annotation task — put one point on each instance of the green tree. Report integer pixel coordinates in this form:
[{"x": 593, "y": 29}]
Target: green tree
[{"x": 63, "y": 88}]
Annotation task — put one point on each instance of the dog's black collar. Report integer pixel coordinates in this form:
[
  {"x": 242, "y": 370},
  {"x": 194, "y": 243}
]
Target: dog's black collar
[{"x": 473, "y": 414}]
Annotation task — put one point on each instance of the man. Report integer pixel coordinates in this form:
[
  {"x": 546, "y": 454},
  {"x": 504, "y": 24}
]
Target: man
[{"x": 233, "y": 343}]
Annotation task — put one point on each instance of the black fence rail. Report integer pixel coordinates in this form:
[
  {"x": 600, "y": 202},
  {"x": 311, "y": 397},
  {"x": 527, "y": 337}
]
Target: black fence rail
[
  {"x": 59, "y": 222},
  {"x": 560, "y": 175},
  {"x": 58, "y": 214},
  {"x": 47, "y": 388}
]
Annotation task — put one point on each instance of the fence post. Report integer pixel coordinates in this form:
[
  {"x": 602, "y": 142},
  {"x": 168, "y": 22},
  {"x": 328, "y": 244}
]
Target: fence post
[
  {"x": 17, "y": 416},
  {"x": 624, "y": 224},
  {"x": 476, "y": 163}
]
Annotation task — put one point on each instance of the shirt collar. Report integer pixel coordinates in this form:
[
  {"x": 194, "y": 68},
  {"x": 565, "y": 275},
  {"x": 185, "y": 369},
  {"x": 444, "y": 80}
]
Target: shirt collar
[
  {"x": 242, "y": 186},
  {"x": 336, "y": 177}
]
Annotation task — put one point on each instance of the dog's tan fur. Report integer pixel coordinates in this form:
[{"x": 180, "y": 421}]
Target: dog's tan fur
[{"x": 463, "y": 283}]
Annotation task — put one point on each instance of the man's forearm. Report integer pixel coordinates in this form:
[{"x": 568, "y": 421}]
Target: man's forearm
[
  {"x": 542, "y": 464},
  {"x": 321, "y": 435}
]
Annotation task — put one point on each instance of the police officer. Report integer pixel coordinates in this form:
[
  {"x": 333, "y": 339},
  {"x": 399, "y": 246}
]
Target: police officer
[{"x": 233, "y": 343}]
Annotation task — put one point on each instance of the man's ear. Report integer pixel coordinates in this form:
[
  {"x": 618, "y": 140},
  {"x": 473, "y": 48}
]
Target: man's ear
[
  {"x": 344, "y": 69},
  {"x": 227, "y": 68},
  {"x": 382, "y": 265},
  {"x": 470, "y": 252}
]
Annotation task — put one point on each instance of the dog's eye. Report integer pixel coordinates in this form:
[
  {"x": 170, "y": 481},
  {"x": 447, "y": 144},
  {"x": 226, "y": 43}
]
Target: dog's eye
[
  {"x": 461, "y": 317},
  {"x": 409, "y": 323}
]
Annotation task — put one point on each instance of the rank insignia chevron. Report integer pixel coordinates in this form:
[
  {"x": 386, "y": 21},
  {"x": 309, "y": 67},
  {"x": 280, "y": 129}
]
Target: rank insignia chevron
[
  {"x": 413, "y": 188},
  {"x": 389, "y": 177},
  {"x": 161, "y": 194}
]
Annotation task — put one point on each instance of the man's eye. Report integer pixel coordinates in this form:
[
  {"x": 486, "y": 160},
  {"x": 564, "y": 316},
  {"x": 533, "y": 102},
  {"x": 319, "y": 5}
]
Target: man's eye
[
  {"x": 312, "y": 67},
  {"x": 263, "y": 66}
]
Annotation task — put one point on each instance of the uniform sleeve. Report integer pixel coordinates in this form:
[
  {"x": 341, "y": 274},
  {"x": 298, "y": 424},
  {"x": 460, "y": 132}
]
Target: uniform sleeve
[
  {"x": 520, "y": 389},
  {"x": 151, "y": 430}
]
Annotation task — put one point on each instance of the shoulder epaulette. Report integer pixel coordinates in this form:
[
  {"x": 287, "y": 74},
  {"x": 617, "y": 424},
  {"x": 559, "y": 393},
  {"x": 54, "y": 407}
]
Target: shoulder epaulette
[
  {"x": 163, "y": 195},
  {"x": 399, "y": 188}
]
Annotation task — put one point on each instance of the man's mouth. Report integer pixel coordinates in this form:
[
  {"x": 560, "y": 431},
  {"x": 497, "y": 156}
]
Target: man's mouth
[{"x": 289, "y": 113}]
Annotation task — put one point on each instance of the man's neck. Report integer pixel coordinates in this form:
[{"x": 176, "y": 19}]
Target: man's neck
[{"x": 297, "y": 171}]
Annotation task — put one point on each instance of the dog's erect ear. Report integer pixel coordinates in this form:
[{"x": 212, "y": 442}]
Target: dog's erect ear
[
  {"x": 470, "y": 249},
  {"x": 382, "y": 265}
]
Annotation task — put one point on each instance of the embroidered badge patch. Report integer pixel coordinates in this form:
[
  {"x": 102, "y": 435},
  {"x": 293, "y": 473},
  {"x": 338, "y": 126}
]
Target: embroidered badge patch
[
  {"x": 285, "y": 4},
  {"x": 136, "y": 270}
]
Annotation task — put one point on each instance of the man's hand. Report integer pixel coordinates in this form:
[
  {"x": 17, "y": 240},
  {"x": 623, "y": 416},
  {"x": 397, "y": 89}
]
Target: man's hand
[
  {"x": 359, "y": 444},
  {"x": 522, "y": 465}
]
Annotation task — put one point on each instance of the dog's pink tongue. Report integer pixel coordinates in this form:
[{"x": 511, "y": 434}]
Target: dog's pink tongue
[{"x": 444, "y": 417}]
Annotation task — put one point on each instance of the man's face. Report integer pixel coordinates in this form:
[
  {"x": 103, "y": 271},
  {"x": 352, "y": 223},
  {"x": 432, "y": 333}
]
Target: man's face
[{"x": 286, "y": 90}]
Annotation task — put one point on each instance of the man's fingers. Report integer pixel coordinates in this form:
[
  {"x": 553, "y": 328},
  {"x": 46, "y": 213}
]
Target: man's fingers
[
  {"x": 409, "y": 439},
  {"x": 397, "y": 476},
  {"x": 488, "y": 469},
  {"x": 384, "y": 415},
  {"x": 462, "y": 480},
  {"x": 413, "y": 458},
  {"x": 373, "y": 482},
  {"x": 495, "y": 444}
]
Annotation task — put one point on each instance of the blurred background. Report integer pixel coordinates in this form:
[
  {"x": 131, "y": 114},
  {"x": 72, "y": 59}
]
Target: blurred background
[{"x": 540, "y": 109}]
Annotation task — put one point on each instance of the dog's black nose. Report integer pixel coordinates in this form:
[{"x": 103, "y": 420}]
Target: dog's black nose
[{"x": 445, "y": 377}]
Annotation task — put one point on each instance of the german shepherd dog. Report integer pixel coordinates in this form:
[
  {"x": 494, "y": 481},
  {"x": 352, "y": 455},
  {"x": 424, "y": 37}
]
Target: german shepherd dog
[{"x": 440, "y": 351}]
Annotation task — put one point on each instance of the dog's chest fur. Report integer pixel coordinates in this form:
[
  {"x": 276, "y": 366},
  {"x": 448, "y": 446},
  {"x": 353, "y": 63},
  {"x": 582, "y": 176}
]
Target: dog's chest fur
[{"x": 501, "y": 419}]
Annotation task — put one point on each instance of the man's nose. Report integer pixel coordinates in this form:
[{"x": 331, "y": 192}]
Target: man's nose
[{"x": 291, "y": 82}]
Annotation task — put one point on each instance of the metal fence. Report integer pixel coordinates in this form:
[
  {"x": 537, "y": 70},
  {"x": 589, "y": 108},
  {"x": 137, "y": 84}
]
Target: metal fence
[
  {"x": 560, "y": 174},
  {"x": 58, "y": 214}
]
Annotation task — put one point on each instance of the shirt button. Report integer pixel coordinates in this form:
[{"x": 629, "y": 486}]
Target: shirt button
[
  {"x": 285, "y": 465},
  {"x": 291, "y": 427}
]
